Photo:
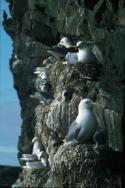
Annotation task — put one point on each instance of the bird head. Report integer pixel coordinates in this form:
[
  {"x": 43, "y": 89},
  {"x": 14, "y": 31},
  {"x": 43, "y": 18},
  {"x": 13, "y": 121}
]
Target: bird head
[
  {"x": 65, "y": 42},
  {"x": 81, "y": 44},
  {"x": 34, "y": 139},
  {"x": 86, "y": 104}
]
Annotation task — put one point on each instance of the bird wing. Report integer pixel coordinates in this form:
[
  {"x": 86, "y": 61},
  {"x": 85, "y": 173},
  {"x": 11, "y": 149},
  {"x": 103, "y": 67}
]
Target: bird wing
[
  {"x": 72, "y": 132},
  {"x": 90, "y": 55},
  {"x": 71, "y": 58},
  {"x": 63, "y": 49}
]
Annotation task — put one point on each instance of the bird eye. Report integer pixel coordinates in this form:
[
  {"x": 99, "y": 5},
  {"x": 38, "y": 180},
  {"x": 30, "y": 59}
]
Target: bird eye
[{"x": 87, "y": 102}]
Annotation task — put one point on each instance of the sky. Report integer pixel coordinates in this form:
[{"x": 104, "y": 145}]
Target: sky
[{"x": 10, "y": 120}]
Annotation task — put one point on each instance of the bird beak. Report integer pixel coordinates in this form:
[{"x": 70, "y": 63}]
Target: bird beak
[{"x": 59, "y": 44}]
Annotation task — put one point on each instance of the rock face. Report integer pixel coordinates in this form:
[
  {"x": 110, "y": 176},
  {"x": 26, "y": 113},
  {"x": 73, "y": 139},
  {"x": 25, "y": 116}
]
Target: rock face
[
  {"x": 37, "y": 25},
  {"x": 8, "y": 175}
]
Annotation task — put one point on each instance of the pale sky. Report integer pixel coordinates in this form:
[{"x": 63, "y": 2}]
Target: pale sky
[{"x": 10, "y": 120}]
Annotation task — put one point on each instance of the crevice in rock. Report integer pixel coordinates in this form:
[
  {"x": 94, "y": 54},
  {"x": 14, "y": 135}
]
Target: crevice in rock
[
  {"x": 90, "y": 3},
  {"x": 100, "y": 12}
]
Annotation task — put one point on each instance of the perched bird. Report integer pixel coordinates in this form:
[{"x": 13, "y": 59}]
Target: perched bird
[
  {"x": 41, "y": 72},
  {"x": 28, "y": 157},
  {"x": 84, "y": 54},
  {"x": 66, "y": 42},
  {"x": 34, "y": 165},
  {"x": 71, "y": 58},
  {"x": 42, "y": 85},
  {"x": 38, "y": 158},
  {"x": 37, "y": 146},
  {"x": 48, "y": 62},
  {"x": 62, "y": 48},
  {"x": 85, "y": 124},
  {"x": 43, "y": 157}
]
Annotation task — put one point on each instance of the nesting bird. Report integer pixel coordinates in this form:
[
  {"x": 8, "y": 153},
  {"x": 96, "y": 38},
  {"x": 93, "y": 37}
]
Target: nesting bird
[
  {"x": 84, "y": 54},
  {"x": 28, "y": 157},
  {"x": 38, "y": 159},
  {"x": 41, "y": 72},
  {"x": 80, "y": 53},
  {"x": 48, "y": 62},
  {"x": 34, "y": 165},
  {"x": 62, "y": 48},
  {"x": 43, "y": 157},
  {"x": 66, "y": 42},
  {"x": 85, "y": 124},
  {"x": 37, "y": 146}
]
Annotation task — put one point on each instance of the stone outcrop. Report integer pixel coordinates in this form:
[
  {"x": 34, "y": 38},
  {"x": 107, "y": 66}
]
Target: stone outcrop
[
  {"x": 8, "y": 175},
  {"x": 37, "y": 25}
]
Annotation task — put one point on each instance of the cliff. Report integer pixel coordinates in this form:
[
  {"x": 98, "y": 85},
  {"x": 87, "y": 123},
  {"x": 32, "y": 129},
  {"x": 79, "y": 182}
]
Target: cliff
[
  {"x": 8, "y": 175},
  {"x": 36, "y": 25}
]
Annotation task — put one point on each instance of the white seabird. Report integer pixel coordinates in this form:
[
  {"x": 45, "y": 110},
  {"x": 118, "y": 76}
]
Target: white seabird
[
  {"x": 71, "y": 58},
  {"x": 41, "y": 84},
  {"x": 34, "y": 165},
  {"x": 37, "y": 146},
  {"x": 85, "y": 124},
  {"x": 84, "y": 54},
  {"x": 41, "y": 72},
  {"x": 28, "y": 157},
  {"x": 43, "y": 157},
  {"x": 48, "y": 62},
  {"x": 62, "y": 48},
  {"x": 66, "y": 42}
]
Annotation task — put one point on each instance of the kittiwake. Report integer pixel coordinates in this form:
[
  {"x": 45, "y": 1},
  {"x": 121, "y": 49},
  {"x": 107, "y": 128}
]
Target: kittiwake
[
  {"x": 66, "y": 42},
  {"x": 84, "y": 55},
  {"x": 28, "y": 157},
  {"x": 85, "y": 124},
  {"x": 62, "y": 48},
  {"x": 34, "y": 165},
  {"x": 71, "y": 58},
  {"x": 37, "y": 146},
  {"x": 43, "y": 157},
  {"x": 48, "y": 62},
  {"x": 41, "y": 72}
]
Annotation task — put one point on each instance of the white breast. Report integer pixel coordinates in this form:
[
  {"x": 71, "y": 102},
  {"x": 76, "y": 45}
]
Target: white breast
[
  {"x": 71, "y": 58},
  {"x": 81, "y": 55},
  {"x": 36, "y": 148},
  {"x": 86, "y": 119}
]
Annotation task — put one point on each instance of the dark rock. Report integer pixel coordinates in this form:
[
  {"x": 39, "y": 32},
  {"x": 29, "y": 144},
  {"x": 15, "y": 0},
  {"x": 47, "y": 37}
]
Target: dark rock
[{"x": 8, "y": 175}]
